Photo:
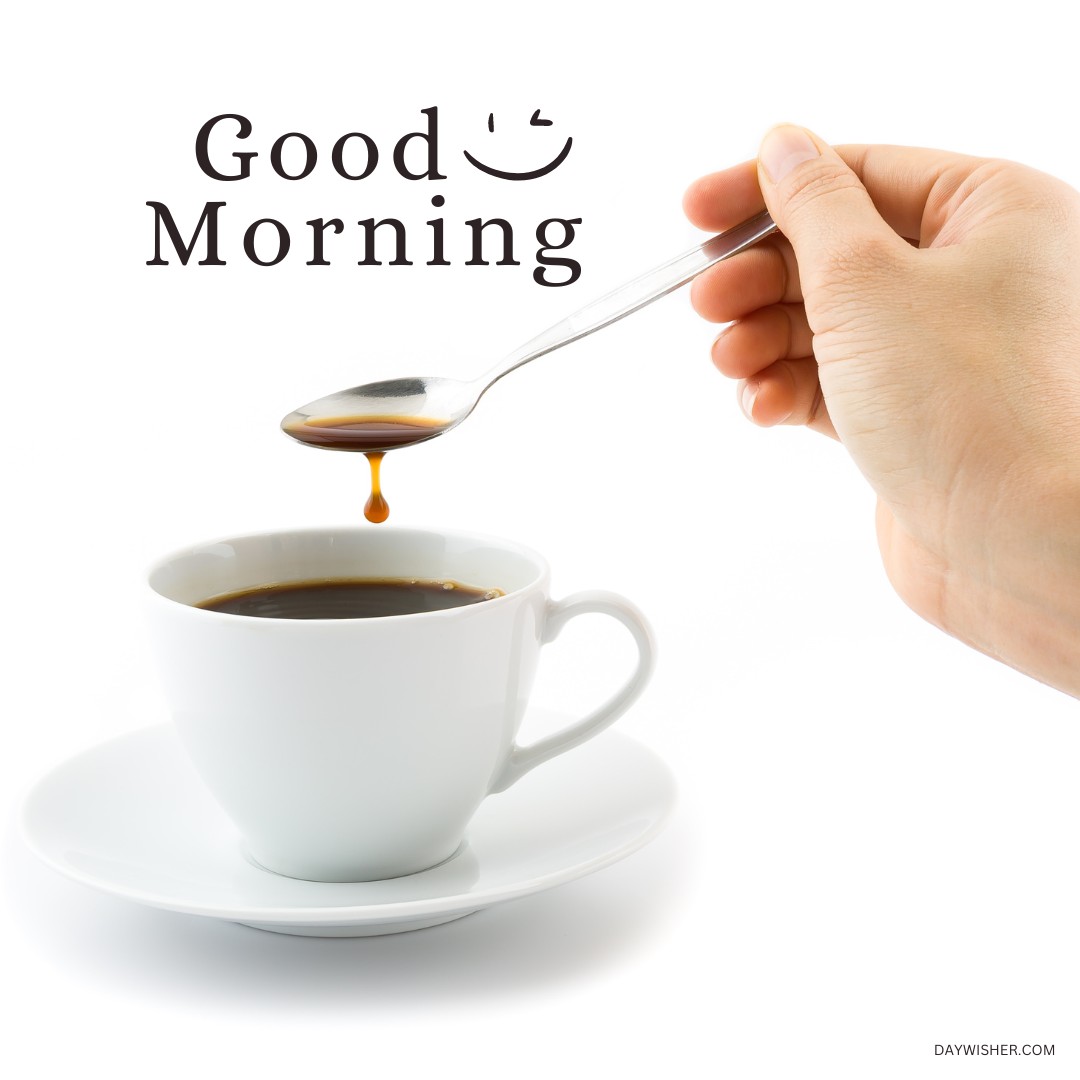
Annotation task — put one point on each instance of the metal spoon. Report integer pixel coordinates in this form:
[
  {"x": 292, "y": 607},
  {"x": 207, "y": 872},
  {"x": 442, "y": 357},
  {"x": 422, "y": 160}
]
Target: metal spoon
[{"x": 382, "y": 416}]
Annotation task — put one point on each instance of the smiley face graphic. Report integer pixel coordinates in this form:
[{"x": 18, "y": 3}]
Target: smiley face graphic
[{"x": 502, "y": 174}]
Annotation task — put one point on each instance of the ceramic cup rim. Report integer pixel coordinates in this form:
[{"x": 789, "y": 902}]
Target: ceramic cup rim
[{"x": 540, "y": 577}]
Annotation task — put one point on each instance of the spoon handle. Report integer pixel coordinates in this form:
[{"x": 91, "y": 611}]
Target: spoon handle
[{"x": 636, "y": 294}]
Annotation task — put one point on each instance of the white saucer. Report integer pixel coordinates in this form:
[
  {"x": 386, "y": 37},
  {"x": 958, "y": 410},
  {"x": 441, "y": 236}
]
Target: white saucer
[{"x": 132, "y": 818}]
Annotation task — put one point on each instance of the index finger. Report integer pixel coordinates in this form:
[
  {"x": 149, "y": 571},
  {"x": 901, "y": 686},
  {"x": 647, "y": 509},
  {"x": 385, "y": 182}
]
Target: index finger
[
  {"x": 721, "y": 200},
  {"x": 910, "y": 187}
]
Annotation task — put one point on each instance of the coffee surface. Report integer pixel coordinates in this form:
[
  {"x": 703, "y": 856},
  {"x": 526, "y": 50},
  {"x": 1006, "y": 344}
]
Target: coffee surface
[{"x": 348, "y": 598}]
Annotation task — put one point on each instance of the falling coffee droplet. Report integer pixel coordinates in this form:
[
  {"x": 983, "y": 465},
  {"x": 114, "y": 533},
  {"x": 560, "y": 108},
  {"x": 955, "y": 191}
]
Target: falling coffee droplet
[
  {"x": 376, "y": 509},
  {"x": 370, "y": 435}
]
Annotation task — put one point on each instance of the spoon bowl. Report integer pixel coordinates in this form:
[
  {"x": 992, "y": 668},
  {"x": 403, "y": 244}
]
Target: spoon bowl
[{"x": 384, "y": 415}]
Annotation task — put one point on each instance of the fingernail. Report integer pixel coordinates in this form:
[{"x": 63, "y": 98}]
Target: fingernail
[
  {"x": 747, "y": 394},
  {"x": 785, "y": 147}
]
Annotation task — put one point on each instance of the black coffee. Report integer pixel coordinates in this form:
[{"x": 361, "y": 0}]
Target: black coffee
[{"x": 348, "y": 598}]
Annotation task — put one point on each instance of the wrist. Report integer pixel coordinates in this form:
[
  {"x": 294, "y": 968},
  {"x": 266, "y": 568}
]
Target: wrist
[{"x": 1014, "y": 596}]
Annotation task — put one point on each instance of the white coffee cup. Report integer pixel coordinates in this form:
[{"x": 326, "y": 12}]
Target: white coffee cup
[{"x": 358, "y": 749}]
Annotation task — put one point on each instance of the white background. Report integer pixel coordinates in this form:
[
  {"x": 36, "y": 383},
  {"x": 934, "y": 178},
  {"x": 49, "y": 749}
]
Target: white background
[{"x": 875, "y": 849}]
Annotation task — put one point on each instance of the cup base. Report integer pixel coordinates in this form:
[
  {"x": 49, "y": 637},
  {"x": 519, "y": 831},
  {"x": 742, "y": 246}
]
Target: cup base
[{"x": 351, "y": 876}]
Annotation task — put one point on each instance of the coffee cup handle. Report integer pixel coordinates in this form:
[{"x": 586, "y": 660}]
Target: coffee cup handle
[{"x": 559, "y": 612}]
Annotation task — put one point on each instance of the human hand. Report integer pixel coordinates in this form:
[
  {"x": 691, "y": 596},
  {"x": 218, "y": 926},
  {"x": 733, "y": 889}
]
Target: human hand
[{"x": 923, "y": 307}]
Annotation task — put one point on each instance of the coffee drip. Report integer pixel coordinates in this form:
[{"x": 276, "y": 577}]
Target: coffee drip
[
  {"x": 376, "y": 509},
  {"x": 372, "y": 436}
]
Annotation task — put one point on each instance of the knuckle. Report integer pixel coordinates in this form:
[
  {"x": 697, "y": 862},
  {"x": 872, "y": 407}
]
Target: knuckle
[{"x": 820, "y": 179}]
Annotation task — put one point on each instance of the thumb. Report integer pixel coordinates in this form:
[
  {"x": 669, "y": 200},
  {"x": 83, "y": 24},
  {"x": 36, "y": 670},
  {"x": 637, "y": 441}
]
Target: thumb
[{"x": 817, "y": 202}]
